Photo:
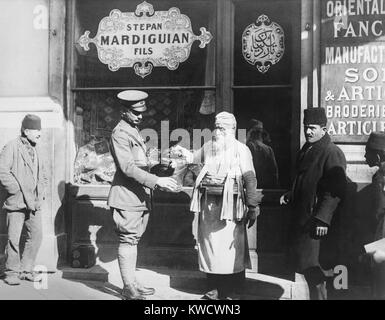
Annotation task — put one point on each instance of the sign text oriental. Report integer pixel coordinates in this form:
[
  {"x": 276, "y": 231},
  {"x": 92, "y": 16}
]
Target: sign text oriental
[
  {"x": 353, "y": 67},
  {"x": 144, "y": 39}
]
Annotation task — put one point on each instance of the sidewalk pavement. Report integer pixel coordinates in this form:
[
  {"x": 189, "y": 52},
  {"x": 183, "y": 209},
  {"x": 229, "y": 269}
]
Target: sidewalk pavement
[
  {"x": 65, "y": 289},
  {"x": 103, "y": 282}
]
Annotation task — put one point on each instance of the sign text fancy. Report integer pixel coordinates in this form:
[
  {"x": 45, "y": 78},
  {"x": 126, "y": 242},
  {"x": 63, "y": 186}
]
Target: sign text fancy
[
  {"x": 144, "y": 39},
  {"x": 353, "y": 67}
]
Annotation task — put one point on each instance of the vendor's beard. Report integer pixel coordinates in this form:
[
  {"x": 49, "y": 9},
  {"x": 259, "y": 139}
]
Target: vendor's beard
[{"x": 221, "y": 142}]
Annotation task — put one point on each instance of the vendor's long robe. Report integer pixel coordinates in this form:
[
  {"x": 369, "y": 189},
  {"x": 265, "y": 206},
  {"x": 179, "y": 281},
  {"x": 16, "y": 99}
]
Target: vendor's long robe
[{"x": 222, "y": 242}]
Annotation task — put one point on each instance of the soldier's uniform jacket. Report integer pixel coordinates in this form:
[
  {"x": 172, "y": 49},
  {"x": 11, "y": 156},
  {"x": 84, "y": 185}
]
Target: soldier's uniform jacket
[{"x": 132, "y": 182}]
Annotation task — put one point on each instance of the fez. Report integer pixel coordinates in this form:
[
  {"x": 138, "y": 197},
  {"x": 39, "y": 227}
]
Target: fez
[
  {"x": 31, "y": 122},
  {"x": 136, "y": 99},
  {"x": 376, "y": 141},
  {"x": 315, "y": 116}
]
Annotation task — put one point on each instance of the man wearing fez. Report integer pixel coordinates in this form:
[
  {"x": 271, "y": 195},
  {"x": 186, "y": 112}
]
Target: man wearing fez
[
  {"x": 375, "y": 157},
  {"x": 130, "y": 190},
  {"x": 223, "y": 215},
  {"x": 23, "y": 176},
  {"x": 318, "y": 189}
]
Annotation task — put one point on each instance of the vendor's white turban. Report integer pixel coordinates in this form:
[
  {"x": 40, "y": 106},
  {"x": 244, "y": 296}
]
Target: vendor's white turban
[{"x": 226, "y": 119}]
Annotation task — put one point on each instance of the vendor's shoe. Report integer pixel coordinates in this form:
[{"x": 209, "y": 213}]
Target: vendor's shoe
[
  {"x": 29, "y": 276},
  {"x": 129, "y": 292},
  {"x": 12, "y": 279},
  {"x": 211, "y": 295},
  {"x": 145, "y": 291}
]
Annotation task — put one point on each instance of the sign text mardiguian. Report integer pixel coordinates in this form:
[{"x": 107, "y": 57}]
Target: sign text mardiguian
[
  {"x": 145, "y": 39},
  {"x": 142, "y": 40}
]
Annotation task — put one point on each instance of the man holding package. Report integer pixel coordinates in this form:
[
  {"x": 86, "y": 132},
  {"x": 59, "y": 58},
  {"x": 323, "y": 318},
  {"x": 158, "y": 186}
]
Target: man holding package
[{"x": 129, "y": 195}]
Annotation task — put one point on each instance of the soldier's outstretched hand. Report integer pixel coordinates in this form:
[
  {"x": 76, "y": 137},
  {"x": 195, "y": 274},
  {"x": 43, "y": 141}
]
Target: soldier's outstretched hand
[{"x": 167, "y": 184}]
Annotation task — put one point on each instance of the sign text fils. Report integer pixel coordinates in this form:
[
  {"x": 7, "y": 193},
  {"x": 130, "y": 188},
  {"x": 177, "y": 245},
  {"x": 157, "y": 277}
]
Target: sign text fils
[
  {"x": 353, "y": 68},
  {"x": 144, "y": 39}
]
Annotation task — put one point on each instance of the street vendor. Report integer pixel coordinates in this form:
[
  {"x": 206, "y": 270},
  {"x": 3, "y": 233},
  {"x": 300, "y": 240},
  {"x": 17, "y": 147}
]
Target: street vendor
[{"x": 222, "y": 235}]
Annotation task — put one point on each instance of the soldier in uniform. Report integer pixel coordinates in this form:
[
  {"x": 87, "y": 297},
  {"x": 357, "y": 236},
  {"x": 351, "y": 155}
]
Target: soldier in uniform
[
  {"x": 130, "y": 191},
  {"x": 375, "y": 157}
]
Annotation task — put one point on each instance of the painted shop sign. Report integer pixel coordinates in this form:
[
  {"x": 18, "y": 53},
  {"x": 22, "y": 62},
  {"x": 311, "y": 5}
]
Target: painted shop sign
[
  {"x": 263, "y": 43},
  {"x": 144, "y": 39},
  {"x": 353, "y": 68}
]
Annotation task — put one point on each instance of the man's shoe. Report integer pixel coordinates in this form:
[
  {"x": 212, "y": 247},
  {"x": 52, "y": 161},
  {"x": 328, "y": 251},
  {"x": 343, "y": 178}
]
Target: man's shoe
[
  {"x": 145, "y": 291},
  {"x": 129, "y": 292},
  {"x": 12, "y": 279},
  {"x": 211, "y": 295},
  {"x": 232, "y": 296},
  {"x": 322, "y": 291},
  {"x": 30, "y": 276}
]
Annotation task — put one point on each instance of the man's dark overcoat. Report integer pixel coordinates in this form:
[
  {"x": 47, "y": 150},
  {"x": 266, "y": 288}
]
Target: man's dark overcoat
[{"x": 317, "y": 194}]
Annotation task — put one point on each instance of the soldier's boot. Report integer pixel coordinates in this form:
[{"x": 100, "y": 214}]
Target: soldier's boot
[
  {"x": 129, "y": 292},
  {"x": 127, "y": 255},
  {"x": 12, "y": 278},
  {"x": 30, "y": 276}
]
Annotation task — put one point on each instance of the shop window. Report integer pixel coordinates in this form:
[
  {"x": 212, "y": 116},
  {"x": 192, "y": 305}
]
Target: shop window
[
  {"x": 184, "y": 97},
  {"x": 271, "y": 107},
  {"x": 266, "y": 76}
]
